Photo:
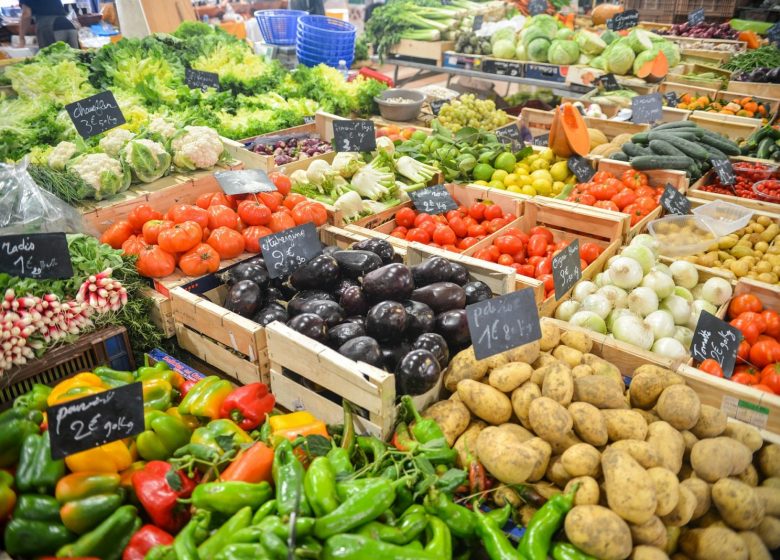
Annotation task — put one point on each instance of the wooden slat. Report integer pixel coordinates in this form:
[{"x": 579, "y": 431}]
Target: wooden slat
[{"x": 731, "y": 126}]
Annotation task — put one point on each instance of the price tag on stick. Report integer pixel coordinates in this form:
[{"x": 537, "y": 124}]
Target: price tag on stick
[
  {"x": 478, "y": 21},
  {"x": 581, "y": 168},
  {"x": 437, "y": 104},
  {"x": 541, "y": 140},
  {"x": 503, "y": 323},
  {"x": 696, "y": 17},
  {"x": 35, "y": 255},
  {"x": 308, "y": 119},
  {"x": 244, "y": 181},
  {"x": 433, "y": 200},
  {"x": 536, "y": 7},
  {"x": 354, "y": 136},
  {"x": 646, "y": 108},
  {"x": 671, "y": 99},
  {"x": 716, "y": 339},
  {"x": 609, "y": 82},
  {"x": 674, "y": 202},
  {"x": 510, "y": 134},
  {"x": 95, "y": 114},
  {"x": 566, "y": 268},
  {"x": 286, "y": 251},
  {"x": 623, "y": 20},
  {"x": 197, "y": 79},
  {"x": 773, "y": 33},
  {"x": 96, "y": 420}
]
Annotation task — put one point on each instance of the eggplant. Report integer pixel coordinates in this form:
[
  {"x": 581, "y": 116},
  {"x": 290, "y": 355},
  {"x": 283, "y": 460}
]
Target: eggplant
[
  {"x": 353, "y": 300},
  {"x": 435, "y": 269},
  {"x": 363, "y": 349},
  {"x": 460, "y": 274},
  {"x": 320, "y": 273},
  {"x": 330, "y": 249},
  {"x": 392, "y": 355},
  {"x": 420, "y": 318},
  {"x": 310, "y": 325},
  {"x": 377, "y": 246},
  {"x": 342, "y": 285},
  {"x": 340, "y": 334},
  {"x": 454, "y": 327},
  {"x": 250, "y": 270},
  {"x": 274, "y": 294},
  {"x": 477, "y": 291},
  {"x": 417, "y": 373},
  {"x": 270, "y": 313},
  {"x": 284, "y": 287},
  {"x": 392, "y": 281},
  {"x": 244, "y": 297},
  {"x": 357, "y": 319},
  {"x": 441, "y": 296},
  {"x": 357, "y": 263},
  {"x": 436, "y": 345},
  {"x": 386, "y": 321},
  {"x": 295, "y": 306},
  {"x": 330, "y": 311}
]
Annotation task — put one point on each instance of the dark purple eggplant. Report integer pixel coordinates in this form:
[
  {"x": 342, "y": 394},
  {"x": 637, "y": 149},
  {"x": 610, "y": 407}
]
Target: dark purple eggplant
[
  {"x": 392, "y": 281},
  {"x": 392, "y": 355},
  {"x": 273, "y": 294},
  {"x": 330, "y": 311},
  {"x": 340, "y": 334},
  {"x": 320, "y": 273},
  {"x": 356, "y": 263},
  {"x": 310, "y": 325},
  {"x": 358, "y": 319},
  {"x": 342, "y": 285},
  {"x": 460, "y": 274},
  {"x": 270, "y": 313},
  {"x": 441, "y": 296},
  {"x": 435, "y": 269},
  {"x": 377, "y": 246},
  {"x": 295, "y": 306},
  {"x": 420, "y": 318},
  {"x": 417, "y": 373},
  {"x": 353, "y": 300},
  {"x": 251, "y": 270},
  {"x": 476, "y": 291},
  {"x": 454, "y": 327},
  {"x": 330, "y": 249},
  {"x": 363, "y": 349},
  {"x": 244, "y": 297},
  {"x": 436, "y": 345},
  {"x": 386, "y": 321}
]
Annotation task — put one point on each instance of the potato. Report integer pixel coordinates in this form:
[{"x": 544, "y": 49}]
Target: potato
[
  {"x": 510, "y": 376},
  {"x": 504, "y": 457},
  {"x": 466, "y": 444},
  {"x": 648, "y": 382},
  {"x": 453, "y": 417},
  {"x": 558, "y": 384},
  {"x": 690, "y": 441},
  {"x": 599, "y": 532},
  {"x": 563, "y": 442},
  {"x": 506, "y": 495},
  {"x": 630, "y": 490},
  {"x": 551, "y": 335},
  {"x": 454, "y": 397},
  {"x": 668, "y": 444},
  {"x": 540, "y": 373},
  {"x": 642, "y": 452},
  {"x": 589, "y": 423},
  {"x": 649, "y": 415},
  {"x": 580, "y": 341},
  {"x": 769, "y": 531},
  {"x": 581, "y": 371},
  {"x": 667, "y": 489},
  {"x": 701, "y": 490},
  {"x": 652, "y": 532},
  {"x": 543, "y": 452},
  {"x": 600, "y": 391},
  {"x": 680, "y": 406},
  {"x": 713, "y": 543},
  {"x": 518, "y": 431},
  {"x": 527, "y": 353},
  {"x": 587, "y": 493},
  {"x": 521, "y": 400},
  {"x": 543, "y": 359},
  {"x": 625, "y": 424},
  {"x": 490, "y": 404},
  {"x": 464, "y": 366},
  {"x": 582, "y": 460},
  {"x": 711, "y": 423},
  {"x": 746, "y": 434},
  {"x": 749, "y": 476},
  {"x": 769, "y": 460},
  {"x": 556, "y": 473},
  {"x": 568, "y": 356},
  {"x": 497, "y": 360},
  {"x": 737, "y": 503},
  {"x": 757, "y": 550},
  {"x": 683, "y": 511},
  {"x": 720, "y": 457},
  {"x": 771, "y": 482},
  {"x": 602, "y": 367},
  {"x": 770, "y": 497},
  {"x": 549, "y": 420},
  {"x": 644, "y": 552},
  {"x": 673, "y": 534}
]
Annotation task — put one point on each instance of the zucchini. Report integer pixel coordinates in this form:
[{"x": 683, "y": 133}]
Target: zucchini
[
  {"x": 631, "y": 149},
  {"x": 670, "y": 136},
  {"x": 640, "y": 138},
  {"x": 619, "y": 156},
  {"x": 723, "y": 144},
  {"x": 764, "y": 148},
  {"x": 661, "y": 162},
  {"x": 664, "y": 148},
  {"x": 675, "y": 124}
]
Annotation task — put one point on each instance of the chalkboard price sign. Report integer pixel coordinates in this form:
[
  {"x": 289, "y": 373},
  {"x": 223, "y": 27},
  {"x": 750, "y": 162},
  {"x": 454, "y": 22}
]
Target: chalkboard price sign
[
  {"x": 536, "y": 7},
  {"x": 609, "y": 82},
  {"x": 541, "y": 140},
  {"x": 549, "y": 73},
  {"x": 35, "y": 255},
  {"x": 244, "y": 181},
  {"x": 308, "y": 119},
  {"x": 433, "y": 200},
  {"x": 478, "y": 21},
  {"x": 671, "y": 99},
  {"x": 197, "y": 79},
  {"x": 696, "y": 17},
  {"x": 566, "y": 268},
  {"x": 500, "y": 324},
  {"x": 624, "y": 20},
  {"x": 581, "y": 168},
  {"x": 646, "y": 108},
  {"x": 724, "y": 170},
  {"x": 503, "y": 68},
  {"x": 716, "y": 339},
  {"x": 286, "y": 251},
  {"x": 510, "y": 134},
  {"x": 96, "y": 420},
  {"x": 674, "y": 202},
  {"x": 354, "y": 136},
  {"x": 95, "y": 114},
  {"x": 437, "y": 104}
]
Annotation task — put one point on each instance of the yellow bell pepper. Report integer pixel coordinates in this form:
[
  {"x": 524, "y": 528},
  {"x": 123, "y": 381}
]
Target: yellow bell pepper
[
  {"x": 190, "y": 421},
  {"x": 110, "y": 457},
  {"x": 80, "y": 385},
  {"x": 290, "y": 426}
]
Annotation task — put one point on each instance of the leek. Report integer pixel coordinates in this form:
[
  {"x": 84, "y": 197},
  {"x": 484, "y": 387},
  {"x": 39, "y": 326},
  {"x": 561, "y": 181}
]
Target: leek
[{"x": 421, "y": 35}]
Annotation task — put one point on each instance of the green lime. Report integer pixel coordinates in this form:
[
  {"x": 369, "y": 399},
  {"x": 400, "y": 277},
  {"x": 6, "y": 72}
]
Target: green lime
[
  {"x": 506, "y": 161},
  {"x": 419, "y": 136},
  {"x": 483, "y": 172}
]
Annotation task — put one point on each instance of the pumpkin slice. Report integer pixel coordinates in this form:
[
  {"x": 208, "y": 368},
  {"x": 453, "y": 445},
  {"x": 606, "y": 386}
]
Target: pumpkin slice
[
  {"x": 575, "y": 130},
  {"x": 555, "y": 132},
  {"x": 660, "y": 67}
]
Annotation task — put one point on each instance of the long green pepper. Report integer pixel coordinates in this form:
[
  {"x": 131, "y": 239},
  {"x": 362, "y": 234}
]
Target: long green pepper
[
  {"x": 566, "y": 551},
  {"x": 288, "y": 477},
  {"x": 493, "y": 539},
  {"x": 535, "y": 543},
  {"x": 319, "y": 486},
  {"x": 358, "y": 509},
  {"x": 185, "y": 545}
]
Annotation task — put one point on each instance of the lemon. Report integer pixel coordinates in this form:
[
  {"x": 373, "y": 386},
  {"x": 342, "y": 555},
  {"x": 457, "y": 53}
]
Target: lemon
[
  {"x": 542, "y": 187},
  {"x": 522, "y": 167},
  {"x": 496, "y": 184},
  {"x": 515, "y": 188},
  {"x": 530, "y": 159},
  {"x": 558, "y": 187},
  {"x": 559, "y": 171},
  {"x": 547, "y": 154},
  {"x": 540, "y": 164},
  {"x": 498, "y": 175},
  {"x": 542, "y": 174},
  {"x": 525, "y": 179},
  {"x": 529, "y": 190},
  {"x": 511, "y": 179},
  {"x": 481, "y": 183}
]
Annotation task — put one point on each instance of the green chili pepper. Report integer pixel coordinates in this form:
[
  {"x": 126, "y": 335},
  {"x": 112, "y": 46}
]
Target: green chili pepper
[
  {"x": 501, "y": 515},
  {"x": 245, "y": 551},
  {"x": 275, "y": 525},
  {"x": 493, "y": 539},
  {"x": 276, "y": 547},
  {"x": 372, "y": 446},
  {"x": 230, "y": 496},
  {"x": 358, "y": 547},
  {"x": 185, "y": 545},
  {"x": 288, "y": 477},
  {"x": 108, "y": 539},
  {"x": 459, "y": 519},
  {"x": 319, "y": 486},
  {"x": 161, "y": 552},
  {"x": 219, "y": 539},
  {"x": 439, "y": 541},
  {"x": 424, "y": 430},
  {"x": 412, "y": 523},
  {"x": 340, "y": 462},
  {"x": 34, "y": 399},
  {"x": 309, "y": 548},
  {"x": 348, "y": 437},
  {"x": 566, "y": 551},
  {"x": 535, "y": 543},
  {"x": 358, "y": 509},
  {"x": 264, "y": 511}
]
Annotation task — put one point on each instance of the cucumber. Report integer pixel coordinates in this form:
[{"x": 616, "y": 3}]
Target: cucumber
[
  {"x": 715, "y": 152},
  {"x": 661, "y": 162},
  {"x": 670, "y": 136},
  {"x": 619, "y": 156},
  {"x": 676, "y": 124},
  {"x": 632, "y": 149},
  {"x": 723, "y": 144},
  {"x": 691, "y": 148},
  {"x": 640, "y": 138},
  {"x": 664, "y": 148}
]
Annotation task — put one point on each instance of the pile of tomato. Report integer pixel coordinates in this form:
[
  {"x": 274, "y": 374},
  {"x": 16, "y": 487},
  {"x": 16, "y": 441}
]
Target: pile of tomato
[
  {"x": 747, "y": 175},
  {"x": 197, "y": 237},
  {"x": 630, "y": 194},
  {"x": 758, "y": 356}
]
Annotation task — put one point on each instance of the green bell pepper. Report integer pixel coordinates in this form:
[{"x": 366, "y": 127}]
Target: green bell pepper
[
  {"x": 34, "y": 399},
  {"x": 35, "y": 529},
  {"x": 158, "y": 394},
  {"x": 206, "y": 397},
  {"x": 15, "y": 425},
  {"x": 230, "y": 496},
  {"x": 107, "y": 540},
  {"x": 164, "y": 434},
  {"x": 85, "y": 514},
  {"x": 37, "y": 508},
  {"x": 37, "y": 472}
]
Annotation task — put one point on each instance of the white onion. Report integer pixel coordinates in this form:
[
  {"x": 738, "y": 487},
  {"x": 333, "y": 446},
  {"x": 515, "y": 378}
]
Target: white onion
[
  {"x": 684, "y": 335},
  {"x": 661, "y": 322},
  {"x": 661, "y": 267},
  {"x": 659, "y": 282},
  {"x": 684, "y": 274},
  {"x": 603, "y": 279},
  {"x": 716, "y": 290},
  {"x": 643, "y": 301},
  {"x": 616, "y": 296},
  {"x": 633, "y": 331},
  {"x": 697, "y": 307},
  {"x": 626, "y": 273},
  {"x": 670, "y": 348},
  {"x": 583, "y": 289},
  {"x": 678, "y": 307},
  {"x": 646, "y": 240},
  {"x": 684, "y": 293},
  {"x": 567, "y": 309},
  {"x": 696, "y": 291},
  {"x": 641, "y": 254},
  {"x": 589, "y": 320},
  {"x": 597, "y": 303},
  {"x": 615, "y": 314},
  {"x": 611, "y": 259}
]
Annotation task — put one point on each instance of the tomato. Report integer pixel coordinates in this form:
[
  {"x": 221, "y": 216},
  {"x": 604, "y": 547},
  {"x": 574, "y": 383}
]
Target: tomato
[
  {"x": 133, "y": 245},
  {"x": 743, "y": 379},
  {"x": 477, "y": 211},
  {"x": 429, "y": 226},
  {"x": 310, "y": 212},
  {"x": 459, "y": 226},
  {"x": 743, "y": 351},
  {"x": 293, "y": 199},
  {"x": 646, "y": 204},
  {"x": 485, "y": 254},
  {"x": 467, "y": 242},
  {"x": 405, "y": 217},
  {"x": 772, "y": 320},
  {"x": 764, "y": 352},
  {"x": 252, "y": 235},
  {"x": 601, "y": 176},
  {"x": 140, "y": 215},
  {"x": 180, "y": 238},
  {"x": 280, "y": 221},
  {"x": 645, "y": 190},
  {"x": 440, "y": 219},
  {"x": 635, "y": 212},
  {"x": 495, "y": 224},
  {"x": 227, "y": 242},
  {"x": 153, "y": 228},
  {"x": 711, "y": 367},
  {"x": 210, "y": 199},
  {"x": 476, "y": 231},
  {"x": 506, "y": 260},
  {"x": 604, "y": 192},
  {"x": 508, "y": 244},
  {"x": 525, "y": 269},
  {"x": 493, "y": 211},
  {"x": 742, "y": 303},
  {"x": 451, "y": 214},
  {"x": 179, "y": 213},
  {"x": 756, "y": 318},
  {"x": 537, "y": 245},
  {"x": 452, "y": 248},
  {"x": 624, "y": 198},
  {"x": 607, "y": 205},
  {"x": 117, "y": 234},
  {"x": 587, "y": 199},
  {"x": 222, "y": 216},
  {"x": 418, "y": 234},
  {"x": 590, "y": 251},
  {"x": 254, "y": 213},
  {"x": 443, "y": 235},
  {"x": 271, "y": 199},
  {"x": 400, "y": 229},
  {"x": 200, "y": 260},
  {"x": 153, "y": 262},
  {"x": 281, "y": 182},
  {"x": 543, "y": 267},
  {"x": 541, "y": 230},
  {"x": 771, "y": 379},
  {"x": 633, "y": 178},
  {"x": 749, "y": 330}
]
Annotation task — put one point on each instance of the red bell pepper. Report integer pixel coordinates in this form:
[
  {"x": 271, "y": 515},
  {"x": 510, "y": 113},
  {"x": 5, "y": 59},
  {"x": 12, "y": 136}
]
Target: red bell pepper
[
  {"x": 186, "y": 386},
  {"x": 248, "y": 406},
  {"x": 159, "y": 498},
  {"x": 145, "y": 539}
]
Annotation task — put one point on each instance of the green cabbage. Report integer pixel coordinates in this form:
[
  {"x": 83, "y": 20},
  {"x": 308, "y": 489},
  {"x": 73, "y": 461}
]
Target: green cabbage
[
  {"x": 620, "y": 58},
  {"x": 599, "y": 63},
  {"x": 563, "y": 52},
  {"x": 535, "y": 33},
  {"x": 546, "y": 22},
  {"x": 537, "y": 49},
  {"x": 639, "y": 40},
  {"x": 609, "y": 36},
  {"x": 590, "y": 43},
  {"x": 520, "y": 53},
  {"x": 505, "y": 33},
  {"x": 564, "y": 33},
  {"x": 504, "y": 49},
  {"x": 671, "y": 51},
  {"x": 584, "y": 59}
]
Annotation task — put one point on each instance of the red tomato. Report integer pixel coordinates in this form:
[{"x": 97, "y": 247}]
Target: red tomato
[
  {"x": 429, "y": 226},
  {"x": 467, "y": 242},
  {"x": 418, "y": 234},
  {"x": 281, "y": 221},
  {"x": 633, "y": 178},
  {"x": 252, "y": 236},
  {"x": 525, "y": 270},
  {"x": 543, "y": 267},
  {"x": 506, "y": 260},
  {"x": 140, "y": 215},
  {"x": 452, "y": 214},
  {"x": 117, "y": 234},
  {"x": 646, "y": 204},
  {"x": 293, "y": 199},
  {"x": 180, "y": 238},
  {"x": 519, "y": 256},
  {"x": 772, "y": 320},
  {"x": 254, "y": 213},
  {"x": 271, "y": 199},
  {"x": 743, "y": 351},
  {"x": 422, "y": 217},
  {"x": 153, "y": 262},
  {"x": 310, "y": 212},
  {"x": 405, "y": 217},
  {"x": 743, "y": 303},
  {"x": 508, "y": 244},
  {"x": 645, "y": 190},
  {"x": 281, "y": 182},
  {"x": 517, "y": 233},
  {"x": 549, "y": 283},
  {"x": 153, "y": 228},
  {"x": 493, "y": 211},
  {"x": 222, "y": 216},
  {"x": 711, "y": 367},
  {"x": 485, "y": 254},
  {"x": 764, "y": 352},
  {"x": 604, "y": 192},
  {"x": 602, "y": 176},
  {"x": 541, "y": 230},
  {"x": 764, "y": 388},
  {"x": 476, "y": 230},
  {"x": 201, "y": 259},
  {"x": 399, "y": 229},
  {"x": 495, "y": 224},
  {"x": 443, "y": 235},
  {"x": 537, "y": 244},
  {"x": 586, "y": 199},
  {"x": 134, "y": 245},
  {"x": 210, "y": 199},
  {"x": 459, "y": 226},
  {"x": 590, "y": 251},
  {"x": 624, "y": 198},
  {"x": 477, "y": 211},
  {"x": 607, "y": 205},
  {"x": 227, "y": 242},
  {"x": 743, "y": 379}
]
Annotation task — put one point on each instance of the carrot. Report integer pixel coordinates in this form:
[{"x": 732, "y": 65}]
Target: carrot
[
  {"x": 252, "y": 465},
  {"x": 751, "y": 38}
]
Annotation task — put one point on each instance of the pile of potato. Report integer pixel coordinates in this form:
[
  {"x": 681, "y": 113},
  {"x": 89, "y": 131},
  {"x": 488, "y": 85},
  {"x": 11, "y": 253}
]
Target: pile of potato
[{"x": 660, "y": 474}]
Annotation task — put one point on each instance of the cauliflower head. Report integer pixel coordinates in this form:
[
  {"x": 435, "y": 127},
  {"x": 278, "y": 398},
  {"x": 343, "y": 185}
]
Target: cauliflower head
[
  {"x": 163, "y": 127},
  {"x": 196, "y": 147},
  {"x": 148, "y": 160},
  {"x": 114, "y": 140},
  {"x": 105, "y": 174},
  {"x": 61, "y": 154}
]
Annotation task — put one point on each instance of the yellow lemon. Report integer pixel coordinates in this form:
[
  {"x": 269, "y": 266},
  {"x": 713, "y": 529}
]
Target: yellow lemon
[
  {"x": 480, "y": 182},
  {"x": 511, "y": 179},
  {"x": 530, "y": 159},
  {"x": 558, "y": 187},
  {"x": 496, "y": 184},
  {"x": 522, "y": 168},
  {"x": 515, "y": 188},
  {"x": 498, "y": 175},
  {"x": 547, "y": 154},
  {"x": 542, "y": 187},
  {"x": 529, "y": 190},
  {"x": 525, "y": 179},
  {"x": 559, "y": 171},
  {"x": 542, "y": 174},
  {"x": 540, "y": 164}
]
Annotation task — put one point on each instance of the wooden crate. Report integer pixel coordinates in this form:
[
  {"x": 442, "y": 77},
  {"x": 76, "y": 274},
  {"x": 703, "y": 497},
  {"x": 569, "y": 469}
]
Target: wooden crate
[
  {"x": 732, "y": 126},
  {"x": 681, "y": 89},
  {"x": 539, "y": 123},
  {"x": 428, "y": 50},
  {"x": 758, "y": 89},
  {"x": 774, "y": 104},
  {"x": 762, "y": 206},
  {"x": 669, "y": 114},
  {"x": 688, "y": 44},
  {"x": 715, "y": 83}
]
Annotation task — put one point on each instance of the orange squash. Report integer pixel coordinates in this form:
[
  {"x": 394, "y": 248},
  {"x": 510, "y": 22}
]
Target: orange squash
[
  {"x": 603, "y": 12},
  {"x": 556, "y": 134},
  {"x": 660, "y": 68},
  {"x": 575, "y": 130}
]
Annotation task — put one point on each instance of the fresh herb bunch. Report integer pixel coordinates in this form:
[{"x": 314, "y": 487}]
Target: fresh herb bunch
[{"x": 65, "y": 185}]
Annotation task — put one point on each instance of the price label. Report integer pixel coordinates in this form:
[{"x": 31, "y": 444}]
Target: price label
[
  {"x": 354, "y": 136},
  {"x": 197, "y": 79},
  {"x": 608, "y": 82},
  {"x": 623, "y": 20},
  {"x": 308, "y": 119},
  {"x": 541, "y": 140},
  {"x": 244, "y": 181},
  {"x": 95, "y": 114},
  {"x": 35, "y": 255},
  {"x": 696, "y": 17},
  {"x": 674, "y": 202},
  {"x": 286, "y": 251},
  {"x": 502, "y": 67},
  {"x": 716, "y": 339},
  {"x": 671, "y": 99},
  {"x": 773, "y": 33},
  {"x": 433, "y": 200},
  {"x": 646, "y": 108},
  {"x": 724, "y": 170},
  {"x": 549, "y": 73},
  {"x": 536, "y": 7},
  {"x": 566, "y": 268},
  {"x": 581, "y": 168},
  {"x": 96, "y": 420},
  {"x": 478, "y": 21},
  {"x": 510, "y": 134},
  {"x": 499, "y": 324},
  {"x": 437, "y": 104}
]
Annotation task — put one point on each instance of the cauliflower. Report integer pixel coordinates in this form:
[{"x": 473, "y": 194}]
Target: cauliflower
[
  {"x": 196, "y": 147},
  {"x": 114, "y": 140},
  {"x": 105, "y": 174},
  {"x": 61, "y": 154},
  {"x": 164, "y": 128},
  {"x": 148, "y": 160}
]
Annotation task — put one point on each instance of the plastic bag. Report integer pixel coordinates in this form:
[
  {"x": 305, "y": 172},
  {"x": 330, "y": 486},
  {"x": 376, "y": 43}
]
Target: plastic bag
[{"x": 27, "y": 208}]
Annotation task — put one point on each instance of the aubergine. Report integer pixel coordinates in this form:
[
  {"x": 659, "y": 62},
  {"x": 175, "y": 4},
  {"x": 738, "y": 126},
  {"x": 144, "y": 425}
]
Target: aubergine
[
  {"x": 435, "y": 269},
  {"x": 295, "y": 306},
  {"x": 244, "y": 297},
  {"x": 476, "y": 291},
  {"x": 270, "y": 313},
  {"x": 386, "y": 321},
  {"x": 353, "y": 300},
  {"x": 342, "y": 285},
  {"x": 251, "y": 270},
  {"x": 459, "y": 274},
  {"x": 420, "y": 318},
  {"x": 330, "y": 311},
  {"x": 454, "y": 327},
  {"x": 320, "y": 273},
  {"x": 310, "y": 325},
  {"x": 392, "y": 354},
  {"x": 441, "y": 296},
  {"x": 377, "y": 246},
  {"x": 392, "y": 281},
  {"x": 436, "y": 345},
  {"x": 340, "y": 334},
  {"x": 363, "y": 349},
  {"x": 357, "y": 263},
  {"x": 273, "y": 294},
  {"x": 358, "y": 319},
  {"x": 417, "y": 373}
]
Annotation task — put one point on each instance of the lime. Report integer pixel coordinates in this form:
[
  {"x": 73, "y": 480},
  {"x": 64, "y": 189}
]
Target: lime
[
  {"x": 485, "y": 157},
  {"x": 482, "y": 172},
  {"x": 505, "y": 161},
  {"x": 419, "y": 136},
  {"x": 559, "y": 171}
]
